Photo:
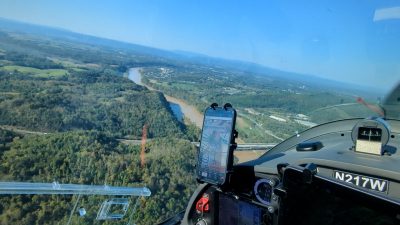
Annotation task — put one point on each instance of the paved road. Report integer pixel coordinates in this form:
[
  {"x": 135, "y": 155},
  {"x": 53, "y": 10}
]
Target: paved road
[
  {"x": 21, "y": 130},
  {"x": 240, "y": 147},
  {"x": 270, "y": 133}
]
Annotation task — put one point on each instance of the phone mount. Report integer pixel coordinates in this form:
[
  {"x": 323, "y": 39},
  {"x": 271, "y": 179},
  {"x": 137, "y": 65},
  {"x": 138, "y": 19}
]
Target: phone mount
[
  {"x": 215, "y": 155},
  {"x": 214, "y": 105}
]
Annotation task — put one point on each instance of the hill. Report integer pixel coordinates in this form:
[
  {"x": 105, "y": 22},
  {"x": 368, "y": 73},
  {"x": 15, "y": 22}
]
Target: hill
[{"x": 71, "y": 98}]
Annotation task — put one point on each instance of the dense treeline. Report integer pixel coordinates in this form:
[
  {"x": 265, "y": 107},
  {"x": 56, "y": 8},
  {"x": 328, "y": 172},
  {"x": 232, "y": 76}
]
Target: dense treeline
[
  {"x": 20, "y": 59},
  {"x": 88, "y": 100},
  {"x": 94, "y": 158},
  {"x": 291, "y": 102},
  {"x": 6, "y": 138}
]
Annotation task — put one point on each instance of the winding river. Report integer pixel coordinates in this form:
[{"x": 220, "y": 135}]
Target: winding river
[{"x": 179, "y": 107}]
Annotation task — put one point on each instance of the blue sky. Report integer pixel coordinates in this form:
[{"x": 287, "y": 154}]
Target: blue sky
[{"x": 340, "y": 40}]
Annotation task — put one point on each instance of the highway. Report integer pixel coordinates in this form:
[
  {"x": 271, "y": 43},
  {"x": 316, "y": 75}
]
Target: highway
[{"x": 240, "y": 147}]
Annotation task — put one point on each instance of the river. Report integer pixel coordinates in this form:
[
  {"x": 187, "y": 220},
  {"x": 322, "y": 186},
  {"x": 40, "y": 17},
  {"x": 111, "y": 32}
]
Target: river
[{"x": 179, "y": 107}]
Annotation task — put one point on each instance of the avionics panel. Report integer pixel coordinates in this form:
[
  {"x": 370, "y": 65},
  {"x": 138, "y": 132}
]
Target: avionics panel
[
  {"x": 237, "y": 212},
  {"x": 215, "y": 146}
]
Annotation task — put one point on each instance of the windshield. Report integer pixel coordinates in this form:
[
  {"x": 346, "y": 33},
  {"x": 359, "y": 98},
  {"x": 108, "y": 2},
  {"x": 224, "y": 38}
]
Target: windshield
[{"x": 108, "y": 96}]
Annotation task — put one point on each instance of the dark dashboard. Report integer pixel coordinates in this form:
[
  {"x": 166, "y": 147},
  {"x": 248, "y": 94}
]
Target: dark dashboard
[{"x": 321, "y": 176}]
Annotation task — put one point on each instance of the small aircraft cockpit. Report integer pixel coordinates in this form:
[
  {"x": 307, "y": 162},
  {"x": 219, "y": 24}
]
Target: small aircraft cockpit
[
  {"x": 343, "y": 172},
  {"x": 138, "y": 112}
]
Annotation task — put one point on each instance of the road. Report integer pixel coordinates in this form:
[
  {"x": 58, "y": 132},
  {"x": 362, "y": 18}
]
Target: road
[
  {"x": 21, "y": 130},
  {"x": 268, "y": 132},
  {"x": 240, "y": 147}
]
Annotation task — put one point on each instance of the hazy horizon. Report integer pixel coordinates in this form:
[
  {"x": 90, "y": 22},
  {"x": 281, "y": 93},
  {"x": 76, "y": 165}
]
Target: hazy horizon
[{"x": 342, "y": 44}]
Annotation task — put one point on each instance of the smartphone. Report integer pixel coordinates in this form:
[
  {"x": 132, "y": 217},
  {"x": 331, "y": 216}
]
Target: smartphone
[{"x": 215, "y": 153}]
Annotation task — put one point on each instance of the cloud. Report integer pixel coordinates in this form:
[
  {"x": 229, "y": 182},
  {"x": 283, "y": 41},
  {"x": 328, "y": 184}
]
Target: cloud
[{"x": 387, "y": 14}]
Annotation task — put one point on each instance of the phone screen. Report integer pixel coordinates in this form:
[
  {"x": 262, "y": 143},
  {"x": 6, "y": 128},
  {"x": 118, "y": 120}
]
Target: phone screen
[{"x": 215, "y": 145}]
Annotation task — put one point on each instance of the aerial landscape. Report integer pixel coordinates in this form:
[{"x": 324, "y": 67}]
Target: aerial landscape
[{"x": 72, "y": 104}]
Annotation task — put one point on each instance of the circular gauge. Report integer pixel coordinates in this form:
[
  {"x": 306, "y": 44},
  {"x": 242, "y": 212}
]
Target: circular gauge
[{"x": 263, "y": 190}]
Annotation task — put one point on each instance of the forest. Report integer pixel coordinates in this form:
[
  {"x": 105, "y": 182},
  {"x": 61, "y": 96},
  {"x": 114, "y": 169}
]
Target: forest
[
  {"x": 91, "y": 157},
  {"x": 87, "y": 100},
  {"x": 65, "y": 106}
]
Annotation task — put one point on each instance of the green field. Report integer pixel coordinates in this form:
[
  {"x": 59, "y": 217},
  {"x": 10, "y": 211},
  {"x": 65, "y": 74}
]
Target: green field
[{"x": 34, "y": 71}]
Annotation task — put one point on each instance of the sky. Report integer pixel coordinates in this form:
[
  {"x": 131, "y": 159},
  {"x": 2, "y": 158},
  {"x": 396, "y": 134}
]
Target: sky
[{"x": 339, "y": 40}]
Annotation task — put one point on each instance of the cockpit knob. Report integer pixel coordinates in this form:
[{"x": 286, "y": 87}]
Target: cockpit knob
[
  {"x": 202, "y": 204},
  {"x": 201, "y": 222},
  {"x": 273, "y": 182}
]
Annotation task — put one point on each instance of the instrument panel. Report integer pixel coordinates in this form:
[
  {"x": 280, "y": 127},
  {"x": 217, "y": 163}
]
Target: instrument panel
[
  {"x": 254, "y": 205},
  {"x": 263, "y": 190},
  {"x": 233, "y": 211}
]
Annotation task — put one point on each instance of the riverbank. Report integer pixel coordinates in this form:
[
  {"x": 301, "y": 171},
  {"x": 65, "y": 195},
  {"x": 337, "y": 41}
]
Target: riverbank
[{"x": 190, "y": 112}]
